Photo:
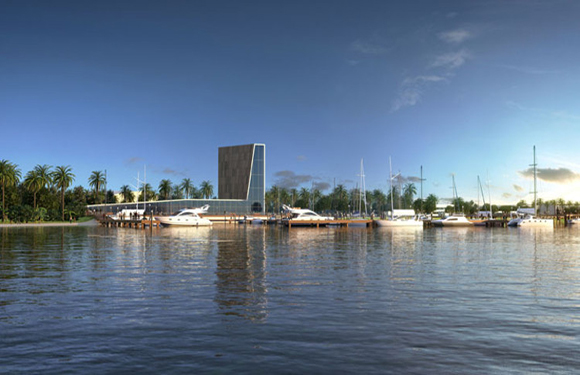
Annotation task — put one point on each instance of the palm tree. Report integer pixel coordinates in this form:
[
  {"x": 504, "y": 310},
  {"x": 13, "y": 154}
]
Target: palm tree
[
  {"x": 187, "y": 186},
  {"x": 33, "y": 182},
  {"x": 127, "y": 194},
  {"x": 45, "y": 174},
  {"x": 96, "y": 180},
  {"x": 165, "y": 189},
  {"x": 340, "y": 197},
  {"x": 206, "y": 189},
  {"x": 9, "y": 176},
  {"x": 150, "y": 193},
  {"x": 430, "y": 203},
  {"x": 409, "y": 191},
  {"x": 63, "y": 177}
]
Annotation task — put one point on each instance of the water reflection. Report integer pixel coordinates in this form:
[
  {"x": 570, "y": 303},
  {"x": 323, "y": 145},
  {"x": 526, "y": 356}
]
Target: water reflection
[{"x": 241, "y": 275}]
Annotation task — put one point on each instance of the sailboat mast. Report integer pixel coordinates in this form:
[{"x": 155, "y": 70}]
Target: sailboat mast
[
  {"x": 489, "y": 192},
  {"x": 455, "y": 198},
  {"x": 421, "y": 189},
  {"x": 535, "y": 187},
  {"x": 481, "y": 188},
  {"x": 391, "y": 179}
]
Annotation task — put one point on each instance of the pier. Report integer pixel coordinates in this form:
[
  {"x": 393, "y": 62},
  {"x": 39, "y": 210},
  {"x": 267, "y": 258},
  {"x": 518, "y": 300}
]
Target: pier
[
  {"x": 128, "y": 223},
  {"x": 325, "y": 223}
]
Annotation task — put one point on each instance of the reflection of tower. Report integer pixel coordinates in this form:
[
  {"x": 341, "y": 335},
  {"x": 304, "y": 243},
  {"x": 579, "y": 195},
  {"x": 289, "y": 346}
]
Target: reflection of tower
[{"x": 240, "y": 271}]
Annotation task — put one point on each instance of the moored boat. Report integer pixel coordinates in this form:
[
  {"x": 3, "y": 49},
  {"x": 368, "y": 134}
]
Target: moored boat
[
  {"x": 455, "y": 220},
  {"x": 186, "y": 217},
  {"x": 303, "y": 216},
  {"x": 401, "y": 218}
]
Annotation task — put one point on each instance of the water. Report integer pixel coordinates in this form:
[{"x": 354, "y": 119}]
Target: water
[{"x": 244, "y": 299}]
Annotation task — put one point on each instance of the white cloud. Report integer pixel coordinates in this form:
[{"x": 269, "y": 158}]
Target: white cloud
[
  {"x": 451, "y": 60},
  {"x": 455, "y": 36},
  {"x": 407, "y": 98},
  {"x": 412, "y": 90},
  {"x": 422, "y": 79}
]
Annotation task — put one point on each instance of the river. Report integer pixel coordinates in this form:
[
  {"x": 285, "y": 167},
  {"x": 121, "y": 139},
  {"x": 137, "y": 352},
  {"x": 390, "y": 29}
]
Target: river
[{"x": 252, "y": 299}]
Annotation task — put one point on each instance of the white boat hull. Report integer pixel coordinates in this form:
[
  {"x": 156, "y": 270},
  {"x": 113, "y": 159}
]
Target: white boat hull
[
  {"x": 531, "y": 223},
  {"x": 190, "y": 222}
]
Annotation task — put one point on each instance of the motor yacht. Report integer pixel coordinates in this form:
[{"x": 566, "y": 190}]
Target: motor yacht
[
  {"x": 186, "y": 217},
  {"x": 455, "y": 220},
  {"x": 303, "y": 214}
]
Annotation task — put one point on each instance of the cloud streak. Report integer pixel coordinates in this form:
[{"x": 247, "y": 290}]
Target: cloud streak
[
  {"x": 555, "y": 175},
  {"x": 412, "y": 90},
  {"x": 518, "y": 188},
  {"x": 451, "y": 60},
  {"x": 455, "y": 36}
]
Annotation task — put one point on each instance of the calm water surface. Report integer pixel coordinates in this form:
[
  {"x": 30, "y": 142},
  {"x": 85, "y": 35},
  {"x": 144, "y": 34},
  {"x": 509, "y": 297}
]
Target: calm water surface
[{"x": 243, "y": 299}]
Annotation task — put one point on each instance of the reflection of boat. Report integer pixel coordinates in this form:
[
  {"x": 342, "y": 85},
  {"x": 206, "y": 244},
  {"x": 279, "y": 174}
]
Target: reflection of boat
[
  {"x": 250, "y": 220},
  {"x": 299, "y": 214},
  {"x": 455, "y": 220},
  {"x": 186, "y": 217},
  {"x": 402, "y": 218}
]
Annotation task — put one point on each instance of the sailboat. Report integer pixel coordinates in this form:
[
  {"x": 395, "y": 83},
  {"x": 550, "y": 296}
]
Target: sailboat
[
  {"x": 400, "y": 218},
  {"x": 482, "y": 222},
  {"x": 526, "y": 217}
]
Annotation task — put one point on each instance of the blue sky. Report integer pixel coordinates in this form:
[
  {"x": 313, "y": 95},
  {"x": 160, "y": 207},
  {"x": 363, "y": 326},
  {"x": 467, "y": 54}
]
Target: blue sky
[{"x": 462, "y": 87}]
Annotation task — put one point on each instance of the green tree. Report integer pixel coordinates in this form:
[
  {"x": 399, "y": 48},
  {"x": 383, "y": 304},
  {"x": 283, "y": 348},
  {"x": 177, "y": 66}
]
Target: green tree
[
  {"x": 340, "y": 198},
  {"x": 176, "y": 192},
  {"x": 45, "y": 174},
  {"x": 165, "y": 189},
  {"x": 96, "y": 181},
  {"x": 150, "y": 195},
  {"x": 206, "y": 189},
  {"x": 127, "y": 194},
  {"x": 523, "y": 204},
  {"x": 33, "y": 183},
  {"x": 63, "y": 177},
  {"x": 9, "y": 176},
  {"x": 187, "y": 186},
  {"x": 303, "y": 199},
  {"x": 430, "y": 204},
  {"x": 418, "y": 204},
  {"x": 409, "y": 191}
]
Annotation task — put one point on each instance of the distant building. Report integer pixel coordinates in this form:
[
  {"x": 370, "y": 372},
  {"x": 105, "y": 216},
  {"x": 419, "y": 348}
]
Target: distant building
[{"x": 241, "y": 186}]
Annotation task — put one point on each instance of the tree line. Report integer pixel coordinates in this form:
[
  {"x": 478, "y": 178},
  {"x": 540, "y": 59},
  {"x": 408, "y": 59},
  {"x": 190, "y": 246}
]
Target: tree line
[
  {"x": 44, "y": 193},
  {"x": 344, "y": 200}
]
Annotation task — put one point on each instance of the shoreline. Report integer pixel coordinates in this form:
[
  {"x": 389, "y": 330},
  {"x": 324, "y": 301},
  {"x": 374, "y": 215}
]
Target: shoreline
[{"x": 92, "y": 223}]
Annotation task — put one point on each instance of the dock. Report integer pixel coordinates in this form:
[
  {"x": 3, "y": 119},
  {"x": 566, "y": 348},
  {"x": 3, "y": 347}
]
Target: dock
[
  {"x": 128, "y": 223},
  {"x": 325, "y": 223}
]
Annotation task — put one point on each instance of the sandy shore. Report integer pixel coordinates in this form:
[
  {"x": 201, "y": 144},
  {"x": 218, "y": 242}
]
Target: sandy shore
[{"x": 91, "y": 223}]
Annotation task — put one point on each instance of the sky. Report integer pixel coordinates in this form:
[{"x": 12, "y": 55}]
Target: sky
[{"x": 457, "y": 88}]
